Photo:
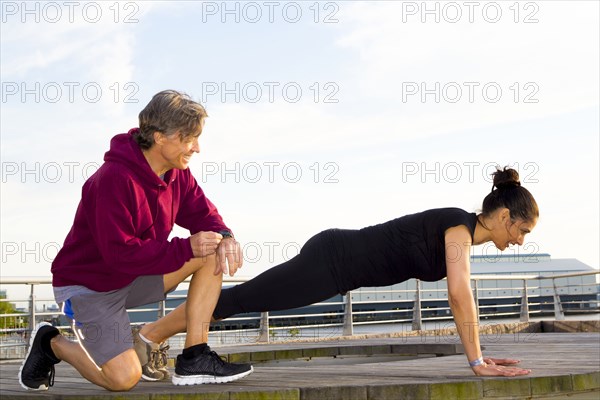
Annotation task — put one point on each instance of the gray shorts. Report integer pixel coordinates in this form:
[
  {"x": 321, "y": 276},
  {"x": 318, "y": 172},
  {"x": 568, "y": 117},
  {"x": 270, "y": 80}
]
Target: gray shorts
[{"x": 100, "y": 319}]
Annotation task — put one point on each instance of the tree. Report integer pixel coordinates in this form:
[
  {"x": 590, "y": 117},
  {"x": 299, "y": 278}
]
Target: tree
[{"x": 9, "y": 308}]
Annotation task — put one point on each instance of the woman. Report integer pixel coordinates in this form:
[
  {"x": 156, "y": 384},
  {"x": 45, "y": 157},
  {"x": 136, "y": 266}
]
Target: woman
[{"x": 430, "y": 246}]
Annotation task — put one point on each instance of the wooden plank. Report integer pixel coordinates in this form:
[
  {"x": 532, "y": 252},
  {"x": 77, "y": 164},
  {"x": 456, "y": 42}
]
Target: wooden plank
[{"x": 562, "y": 363}]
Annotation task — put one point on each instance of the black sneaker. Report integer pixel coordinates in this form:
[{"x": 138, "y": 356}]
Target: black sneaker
[
  {"x": 37, "y": 371},
  {"x": 207, "y": 368}
]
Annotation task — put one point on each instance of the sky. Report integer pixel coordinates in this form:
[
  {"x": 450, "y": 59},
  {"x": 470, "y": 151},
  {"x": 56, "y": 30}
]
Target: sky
[{"x": 321, "y": 114}]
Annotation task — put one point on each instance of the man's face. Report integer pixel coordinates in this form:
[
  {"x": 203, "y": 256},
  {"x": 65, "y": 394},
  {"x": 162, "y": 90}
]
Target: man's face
[{"x": 176, "y": 151}]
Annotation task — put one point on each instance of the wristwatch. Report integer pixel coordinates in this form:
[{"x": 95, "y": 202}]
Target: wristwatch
[{"x": 226, "y": 234}]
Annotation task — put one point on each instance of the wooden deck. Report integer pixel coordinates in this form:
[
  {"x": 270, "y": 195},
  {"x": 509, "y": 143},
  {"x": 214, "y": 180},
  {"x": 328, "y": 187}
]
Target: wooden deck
[{"x": 564, "y": 364}]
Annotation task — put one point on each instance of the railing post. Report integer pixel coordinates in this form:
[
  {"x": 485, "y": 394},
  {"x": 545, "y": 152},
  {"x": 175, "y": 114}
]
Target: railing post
[
  {"x": 264, "y": 327},
  {"x": 348, "y": 318},
  {"x": 417, "y": 322},
  {"x": 559, "y": 314},
  {"x": 475, "y": 296},
  {"x": 524, "y": 303},
  {"x": 162, "y": 309},
  {"x": 32, "y": 308}
]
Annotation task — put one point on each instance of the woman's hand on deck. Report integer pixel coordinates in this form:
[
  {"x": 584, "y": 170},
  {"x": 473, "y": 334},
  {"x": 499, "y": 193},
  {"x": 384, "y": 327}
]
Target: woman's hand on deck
[
  {"x": 501, "y": 361},
  {"x": 499, "y": 370}
]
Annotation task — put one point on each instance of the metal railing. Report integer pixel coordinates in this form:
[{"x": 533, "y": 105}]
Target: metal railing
[{"x": 534, "y": 295}]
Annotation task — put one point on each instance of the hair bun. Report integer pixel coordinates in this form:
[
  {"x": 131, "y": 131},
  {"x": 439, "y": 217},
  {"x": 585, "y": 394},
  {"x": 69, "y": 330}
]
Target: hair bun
[{"x": 506, "y": 178}]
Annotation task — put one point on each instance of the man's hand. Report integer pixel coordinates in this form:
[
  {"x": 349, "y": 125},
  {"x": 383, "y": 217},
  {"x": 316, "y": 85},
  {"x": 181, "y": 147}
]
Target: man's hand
[
  {"x": 205, "y": 243},
  {"x": 229, "y": 257}
]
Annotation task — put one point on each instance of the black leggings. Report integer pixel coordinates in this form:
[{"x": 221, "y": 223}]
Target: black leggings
[{"x": 303, "y": 280}]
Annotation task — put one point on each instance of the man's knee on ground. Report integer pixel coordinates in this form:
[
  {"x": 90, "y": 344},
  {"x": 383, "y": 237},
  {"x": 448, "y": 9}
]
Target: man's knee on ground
[
  {"x": 123, "y": 372},
  {"x": 124, "y": 380}
]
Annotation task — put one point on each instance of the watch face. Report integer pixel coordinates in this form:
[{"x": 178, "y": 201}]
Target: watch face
[{"x": 226, "y": 234}]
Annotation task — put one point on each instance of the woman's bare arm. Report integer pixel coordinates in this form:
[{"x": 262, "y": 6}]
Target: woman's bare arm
[{"x": 462, "y": 304}]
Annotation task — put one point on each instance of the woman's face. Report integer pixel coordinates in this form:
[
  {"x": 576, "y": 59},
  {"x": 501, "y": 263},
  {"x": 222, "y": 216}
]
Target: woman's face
[{"x": 506, "y": 231}]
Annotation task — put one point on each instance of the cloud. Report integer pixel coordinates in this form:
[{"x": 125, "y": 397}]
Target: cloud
[{"x": 557, "y": 56}]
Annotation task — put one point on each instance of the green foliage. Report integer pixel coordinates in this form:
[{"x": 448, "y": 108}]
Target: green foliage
[
  {"x": 10, "y": 322},
  {"x": 294, "y": 332}
]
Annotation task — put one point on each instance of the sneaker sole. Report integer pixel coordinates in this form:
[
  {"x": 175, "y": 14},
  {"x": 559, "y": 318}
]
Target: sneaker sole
[
  {"x": 42, "y": 386},
  {"x": 149, "y": 379},
  {"x": 207, "y": 379}
]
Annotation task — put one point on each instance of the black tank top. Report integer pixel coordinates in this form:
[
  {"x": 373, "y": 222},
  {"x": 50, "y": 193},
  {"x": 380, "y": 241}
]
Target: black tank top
[{"x": 412, "y": 246}]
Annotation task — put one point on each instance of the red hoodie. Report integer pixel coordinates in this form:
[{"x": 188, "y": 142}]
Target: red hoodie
[{"x": 124, "y": 218}]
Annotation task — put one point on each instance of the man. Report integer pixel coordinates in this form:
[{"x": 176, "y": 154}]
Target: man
[{"x": 117, "y": 255}]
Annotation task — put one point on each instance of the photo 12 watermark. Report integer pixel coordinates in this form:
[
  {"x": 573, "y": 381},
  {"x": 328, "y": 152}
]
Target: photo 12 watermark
[
  {"x": 270, "y": 172},
  {"x": 266, "y": 252},
  {"x": 29, "y": 252},
  {"x": 466, "y": 171},
  {"x": 47, "y": 172},
  {"x": 528, "y": 253},
  {"x": 271, "y": 92},
  {"x": 69, "y": 92},
  {"x": 453, "y": 12},
  {"x": 253, "y": 12},
  {"x": 54, "y": 12},
  {"x": 469, "y": 92},
  {"x": 269, "y": 252}
]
